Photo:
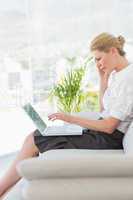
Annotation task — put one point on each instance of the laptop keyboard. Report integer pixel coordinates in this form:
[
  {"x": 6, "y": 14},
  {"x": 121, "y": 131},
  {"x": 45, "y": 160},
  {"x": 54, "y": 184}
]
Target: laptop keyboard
[{"x": 62, "y": 130}]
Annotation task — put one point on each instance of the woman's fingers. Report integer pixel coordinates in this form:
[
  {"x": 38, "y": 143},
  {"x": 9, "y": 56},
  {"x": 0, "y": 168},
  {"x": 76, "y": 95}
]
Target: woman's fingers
[
  {"x": 59, "y": 116},
  {"x": 55, "y": 116},
  {"x": 52, "y": 117}
]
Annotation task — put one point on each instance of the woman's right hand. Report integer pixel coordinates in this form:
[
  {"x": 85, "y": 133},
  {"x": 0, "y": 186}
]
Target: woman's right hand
[{"x": 104, "y": 76}]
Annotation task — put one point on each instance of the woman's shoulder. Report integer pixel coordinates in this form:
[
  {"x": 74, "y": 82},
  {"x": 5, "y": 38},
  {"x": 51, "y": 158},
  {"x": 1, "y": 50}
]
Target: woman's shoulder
[
  {"x": 125, "y": 75},
  {"x": 128, "y": 75}
]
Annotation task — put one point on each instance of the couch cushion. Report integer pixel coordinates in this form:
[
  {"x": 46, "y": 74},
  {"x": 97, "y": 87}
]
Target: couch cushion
[
  {"x": 80, "y": 189},
  {"x": 76, "y": 164},
  {"x": 79, "y": 152},
  {"x": 128, "y": 140}
]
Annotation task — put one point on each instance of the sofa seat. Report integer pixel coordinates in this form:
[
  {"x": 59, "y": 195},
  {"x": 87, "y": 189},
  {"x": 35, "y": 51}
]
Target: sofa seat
[{"x": 78, "y": 174}]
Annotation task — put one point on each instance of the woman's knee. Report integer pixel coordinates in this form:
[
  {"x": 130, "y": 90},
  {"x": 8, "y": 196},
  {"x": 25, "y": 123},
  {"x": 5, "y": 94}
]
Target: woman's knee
[
  {"x": 29, "y": 138},
  {"x": 29, "y": 143}
]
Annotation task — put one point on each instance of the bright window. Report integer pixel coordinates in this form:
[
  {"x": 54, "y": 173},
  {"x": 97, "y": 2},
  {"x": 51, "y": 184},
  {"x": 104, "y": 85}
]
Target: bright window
[{"x": 40, "y": 39}]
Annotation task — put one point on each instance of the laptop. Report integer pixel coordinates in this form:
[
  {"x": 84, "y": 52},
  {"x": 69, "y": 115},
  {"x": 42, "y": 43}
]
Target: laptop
[{"x": 53, "y": 129}]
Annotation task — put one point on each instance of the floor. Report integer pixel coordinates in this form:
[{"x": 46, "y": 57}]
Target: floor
[{"x": 5, "y": 162}]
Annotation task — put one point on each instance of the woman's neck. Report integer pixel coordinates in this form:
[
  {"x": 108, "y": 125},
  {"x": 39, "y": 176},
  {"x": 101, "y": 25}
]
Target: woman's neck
[{"x": 122, "y": 63}]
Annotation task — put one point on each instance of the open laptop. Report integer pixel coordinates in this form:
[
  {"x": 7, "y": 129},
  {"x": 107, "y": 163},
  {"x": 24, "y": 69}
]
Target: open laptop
[{"x": 52, "y": 130}]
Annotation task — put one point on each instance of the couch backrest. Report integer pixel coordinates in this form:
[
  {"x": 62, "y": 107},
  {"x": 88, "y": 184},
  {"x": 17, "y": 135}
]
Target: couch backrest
[{"x": 128, "y": 140}]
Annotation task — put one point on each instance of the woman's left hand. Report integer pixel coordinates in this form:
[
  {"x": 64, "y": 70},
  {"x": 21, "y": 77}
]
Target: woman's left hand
[{"x": 60, "y": 116}]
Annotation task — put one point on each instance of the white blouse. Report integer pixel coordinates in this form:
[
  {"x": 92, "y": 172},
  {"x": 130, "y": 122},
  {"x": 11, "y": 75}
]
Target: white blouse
[{"x": 118, "y": 98}]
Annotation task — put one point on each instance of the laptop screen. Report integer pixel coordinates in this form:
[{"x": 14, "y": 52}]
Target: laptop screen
[{"x": 41, "y": 126}]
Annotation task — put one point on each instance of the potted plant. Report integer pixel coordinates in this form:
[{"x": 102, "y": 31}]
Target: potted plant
[{"x": 68, "y": 93}]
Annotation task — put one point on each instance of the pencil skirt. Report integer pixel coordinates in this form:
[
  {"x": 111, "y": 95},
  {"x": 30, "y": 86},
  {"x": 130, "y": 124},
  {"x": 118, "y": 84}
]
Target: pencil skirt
[{"x": 90, "y": 139}]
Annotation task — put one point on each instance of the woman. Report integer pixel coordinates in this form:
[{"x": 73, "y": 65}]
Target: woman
[{"x": 116, "y": 109}]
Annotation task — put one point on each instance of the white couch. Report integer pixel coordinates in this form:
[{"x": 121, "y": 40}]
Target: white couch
[{"x": 79, "y": 174}]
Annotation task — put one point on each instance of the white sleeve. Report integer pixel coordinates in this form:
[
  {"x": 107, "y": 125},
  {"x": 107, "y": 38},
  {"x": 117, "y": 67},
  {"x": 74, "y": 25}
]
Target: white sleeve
[{"x": 122, "y": 106}]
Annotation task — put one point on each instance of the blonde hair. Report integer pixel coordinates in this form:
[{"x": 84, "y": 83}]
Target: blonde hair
[{"x": 105, "y": 41}]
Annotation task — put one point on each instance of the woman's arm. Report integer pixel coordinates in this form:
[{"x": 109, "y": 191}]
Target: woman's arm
[
  {"x": 105, "y": 125},
  {"x": 102, "y": 89},
  {"x": 104, "y": 76}
]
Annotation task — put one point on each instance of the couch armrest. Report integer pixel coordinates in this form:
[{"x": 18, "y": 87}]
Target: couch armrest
[{"x": 77, "y": 163}]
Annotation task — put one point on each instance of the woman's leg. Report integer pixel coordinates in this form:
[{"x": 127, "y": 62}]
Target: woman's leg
[{"x": 28, "y": 150}]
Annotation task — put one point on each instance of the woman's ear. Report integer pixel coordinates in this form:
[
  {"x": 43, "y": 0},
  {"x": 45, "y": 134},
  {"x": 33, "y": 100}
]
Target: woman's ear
[{"x": 113, "y": 51}]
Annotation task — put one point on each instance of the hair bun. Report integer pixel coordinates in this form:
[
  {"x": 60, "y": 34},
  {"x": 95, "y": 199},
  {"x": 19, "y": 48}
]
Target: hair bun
[{"x": 121, "y": 40}]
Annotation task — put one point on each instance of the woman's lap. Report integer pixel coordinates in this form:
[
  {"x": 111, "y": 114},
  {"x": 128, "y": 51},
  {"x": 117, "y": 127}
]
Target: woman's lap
[{"x": 88, "y": 140}]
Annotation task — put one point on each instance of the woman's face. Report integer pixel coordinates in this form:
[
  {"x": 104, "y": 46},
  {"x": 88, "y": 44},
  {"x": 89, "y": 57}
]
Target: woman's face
[{"x": 105, "y": 61}]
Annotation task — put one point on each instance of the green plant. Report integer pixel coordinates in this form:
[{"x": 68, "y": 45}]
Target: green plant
[
  {"x": 92, "y": 103},
  {"x": 68, "y": 93}
]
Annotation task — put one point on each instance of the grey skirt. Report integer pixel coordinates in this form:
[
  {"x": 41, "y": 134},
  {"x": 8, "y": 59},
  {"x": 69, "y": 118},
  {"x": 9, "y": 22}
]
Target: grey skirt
[{"x": 90, "y": 139}]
